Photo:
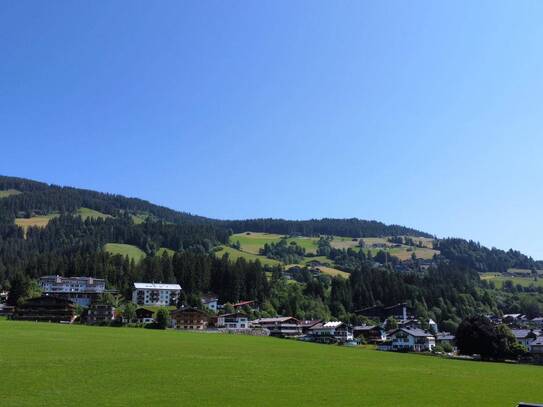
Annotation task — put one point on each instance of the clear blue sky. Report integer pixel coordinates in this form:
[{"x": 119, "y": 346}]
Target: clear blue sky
[{"x": 426, "y": 114}]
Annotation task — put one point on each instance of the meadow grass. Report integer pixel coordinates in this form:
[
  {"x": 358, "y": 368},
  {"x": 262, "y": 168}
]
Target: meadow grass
[
  {"x": 235, "y": 254},
  {"x": 499, "y": 279},
  {"x": 66, "y": 365},
  {"x": 86, "y": 213},
  {"x": 163, "y": 250},
  {"x": 34, "y": 221},
  {"x": 253, "y": 242},
  {"x": 129, "y": 250},
  {"x": 9, "y": 192}
]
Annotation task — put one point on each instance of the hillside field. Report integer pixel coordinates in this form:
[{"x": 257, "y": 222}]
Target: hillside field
[
  {"x": 59, "y": 365},
  {"x": 86, "y": 213},
  {"x": 8, "y": 192},
  {"x": 499, "y": 279},
  {"x": 129, "y": 250},
  {"x": 37, "y": 221}
]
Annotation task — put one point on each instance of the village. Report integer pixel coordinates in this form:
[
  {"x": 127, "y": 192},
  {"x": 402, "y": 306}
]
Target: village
[{"x": 393, "y": 328}]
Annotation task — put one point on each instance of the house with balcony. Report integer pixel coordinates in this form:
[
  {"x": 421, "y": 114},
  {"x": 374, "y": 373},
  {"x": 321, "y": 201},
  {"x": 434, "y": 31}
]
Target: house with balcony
[
  {"x": 46, "y": 309},
  {"x": 526, "y": 336},
  {"x": 211, "y": 302},
  {"x": 332, "y": 331},
  {"x": 370, "y": 333},
  {"x": 100, "y": 313},
  {"x": 279, "y": 326},
  {"x": 189, "y": 318},
  {"x": 234, "y": 321},
  {"x": 155, "y": 294},
  {"x": 409, "y": 340},
  {"x": 79, "y": 290}
]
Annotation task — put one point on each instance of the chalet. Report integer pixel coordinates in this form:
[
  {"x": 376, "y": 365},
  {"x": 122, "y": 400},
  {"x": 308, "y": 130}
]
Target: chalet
[
  {"x": 279, "y": 326},
  {"x": 100, "y": 313},
  {"x": 411, "y": 323},
  {"x": 308, "y": 324},
  {"x": 145, "y": 316},
  {"x": 399, "y": 312},
  {"x": 333, "y": 331},
  {"x": 525, "y": 336},
  {"x": 45, "y": 308},
  {"x": 235, "y": 321},
  {"x": 536, "y": 346},
  {"x": 211, "y": 302},
  {"x": 189, "y": 318},
  {"x": 537, "y": 322},
  {"x": 370, "y": 333},
  {"x": 411, "y": 340},
  {"x": 445, "y": 337}
]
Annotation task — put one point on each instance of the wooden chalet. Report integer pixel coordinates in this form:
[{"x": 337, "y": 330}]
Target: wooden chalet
[
  {"x": 46, "y": 308},
  {"x": 189, "y": 318}
]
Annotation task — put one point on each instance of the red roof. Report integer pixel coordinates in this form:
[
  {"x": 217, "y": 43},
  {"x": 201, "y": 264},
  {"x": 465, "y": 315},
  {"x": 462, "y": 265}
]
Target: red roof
[{"x": 242, "y": 303}]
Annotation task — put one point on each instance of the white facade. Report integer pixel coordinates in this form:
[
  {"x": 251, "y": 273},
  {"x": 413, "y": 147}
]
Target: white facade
[
  {"x": 155, "y": 294},
  {"x": 80, "y": 290},
  {"x": 336, "y": 329},
  {"x": 211, "y": 303},
  {"x": 233, "y": 321},
  {"x": 411, "y": 340}
]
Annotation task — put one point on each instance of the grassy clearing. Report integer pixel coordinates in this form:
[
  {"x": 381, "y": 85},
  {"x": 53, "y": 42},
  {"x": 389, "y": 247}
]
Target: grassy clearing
[
  {"x": 133, "y": 252},
  {"x": 236, "y": 254},
  {"x": 123, "y": 366},
  {"x": 163, "y": 250},
  {"x": 9, "y": 192},
  {"x": 139, "y": 219},
  {"x": 253, "y": 242},
  {"x": 86, "y": 213},
  {"x": 332, "y": 271},
  {"x": 499, "y": 279},
  {"x": 36, "y": 221}
]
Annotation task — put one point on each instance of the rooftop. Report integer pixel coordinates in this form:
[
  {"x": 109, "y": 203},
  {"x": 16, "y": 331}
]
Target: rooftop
[{"x": 155, "y": 286}]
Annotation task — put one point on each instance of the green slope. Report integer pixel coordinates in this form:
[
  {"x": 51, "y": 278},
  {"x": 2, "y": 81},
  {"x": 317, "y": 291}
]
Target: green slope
[
  {"x": 9, "y": 192},
  {"x": 129, "y": 250},
  {"x": 63, "y": 365},
  {"x": 86, "y": 213}
]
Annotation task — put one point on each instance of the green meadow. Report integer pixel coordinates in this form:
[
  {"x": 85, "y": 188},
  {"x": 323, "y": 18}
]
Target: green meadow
[
  {"x": 86, "y": 213},
  {"x": 66, "y": 365},
  {"x": 499, "y": 279},
  {"x": 235, "y": 254},
  {"x": 8, "y": 192},
  {"x": 133, "y": 252}
]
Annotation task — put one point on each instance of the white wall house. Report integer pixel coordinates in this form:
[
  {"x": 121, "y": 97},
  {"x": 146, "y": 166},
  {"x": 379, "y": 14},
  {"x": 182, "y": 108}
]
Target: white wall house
[
  {"x": 155, "y": 294},
  {"x": 236, "y": 321},
  {"x": 80, "y": 290},
  {"x": 414, "y": 340},
  {"x": 526, "y": 336},
  {"x": 333, "y": 329},
  {"x": 211, "y": 303}
]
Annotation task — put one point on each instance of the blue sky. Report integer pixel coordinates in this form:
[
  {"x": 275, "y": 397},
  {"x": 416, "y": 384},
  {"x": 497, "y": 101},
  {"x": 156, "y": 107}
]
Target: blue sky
[{"x": 426, "y": 114}]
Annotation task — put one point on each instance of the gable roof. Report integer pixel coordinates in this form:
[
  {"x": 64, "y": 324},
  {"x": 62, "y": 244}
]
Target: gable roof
[
  {"x": 274, "y": 320},
  {"x": 524, "y": 333},
  {"x": 416, "y": 332}
]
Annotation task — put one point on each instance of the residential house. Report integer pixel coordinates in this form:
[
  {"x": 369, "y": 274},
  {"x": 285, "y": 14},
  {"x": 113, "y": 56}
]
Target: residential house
[
  {"x": 538, "y": 321},
  {"x": 280, "y": 326},
  {"x": 189, "y": 318},
  {"x": 525, "y": 336},
  {"x": 79, "y": 290},
  {"x": 47, "y": 309},
  {"x": 308, "y": 324},
  {"x": 445, "y": 337},
  {"x": 370, "y": 333},
  {"x": 536, "y": 346},
  {"x": 211, "y": 302},
  {"x": 412, "y": 340},
  {"x": 155, "y": 294},
  {"x": 145, "y": 316},
  {"x": 332, "y": 331},
  {"x": 100, "y": 313},
  {"x": 234, "y": 321}
]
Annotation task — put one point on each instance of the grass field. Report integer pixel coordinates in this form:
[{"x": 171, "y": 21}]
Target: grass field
[
  {"x": 129, "y": 250},
  {"x": 253, "y": 242},
  {"x": 499, "y": 279},
  {"x": 63, "y": 365},
  {"x": 161, "y": 251},
  {"x": 86, "y": 213},
  {"x": 9, "y": 192},
  {"x": 37, "y": 221},
  {"x": 236, "y": 254}
]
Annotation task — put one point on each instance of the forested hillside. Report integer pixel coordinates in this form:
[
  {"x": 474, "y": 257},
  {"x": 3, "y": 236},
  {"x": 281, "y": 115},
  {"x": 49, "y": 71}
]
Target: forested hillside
[{"x": 70, "y": 231}]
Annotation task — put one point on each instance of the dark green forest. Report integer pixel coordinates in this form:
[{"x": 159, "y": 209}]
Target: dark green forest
[{"x": 448, "y": 291}]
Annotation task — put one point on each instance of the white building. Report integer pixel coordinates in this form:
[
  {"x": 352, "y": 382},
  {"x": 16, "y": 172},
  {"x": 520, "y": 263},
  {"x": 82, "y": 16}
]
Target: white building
[
  {"x": 336, "y": 330},
  {"x": 236, "y": 321},
  {"x": 414, "y": 340},
  {"x": 211, "y": 303},
  {"x": 155, "y": 294},
  {"x": 80, "y": 290}
]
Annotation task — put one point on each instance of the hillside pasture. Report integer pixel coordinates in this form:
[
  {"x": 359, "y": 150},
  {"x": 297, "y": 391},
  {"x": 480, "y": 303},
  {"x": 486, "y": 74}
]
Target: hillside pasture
[
  {"x": 163, "y": 250},
  {"x": 235, "y": 254},
  {"x": 86, "y": 213},
  {"x": 252, "y": 242},
  {"x": 500, "y": 279},
  {"x": 34, "y": 221},
  {"x": 133, "y": 252},
  {"x": 9, "y": 192},
  {"x": 67, "y": 365}
]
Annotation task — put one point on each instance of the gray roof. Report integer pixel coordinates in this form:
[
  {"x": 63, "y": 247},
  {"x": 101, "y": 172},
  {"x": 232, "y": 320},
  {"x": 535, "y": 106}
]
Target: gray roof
[
  {"x": 523, "y": 333},
  {"x": 415, "y": 332}
]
